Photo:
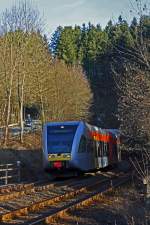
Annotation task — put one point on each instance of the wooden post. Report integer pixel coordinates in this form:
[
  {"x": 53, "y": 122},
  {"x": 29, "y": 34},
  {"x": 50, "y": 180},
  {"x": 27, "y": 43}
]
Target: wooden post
[
  {"x": 6, "y": 175},
  {"x": 18, "y": 168}
]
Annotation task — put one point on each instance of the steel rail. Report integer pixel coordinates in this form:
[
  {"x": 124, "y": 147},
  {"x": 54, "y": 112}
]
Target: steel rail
[
  {"x": 24, "y": 211},
  {"x": 11, "y": 191},
  {"x": 31, "y": 188},
  {"x": 52, "y": 217},
  {"x": 47, "y": 202}
]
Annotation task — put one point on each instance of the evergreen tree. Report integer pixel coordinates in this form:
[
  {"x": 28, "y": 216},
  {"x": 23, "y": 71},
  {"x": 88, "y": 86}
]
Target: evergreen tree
[
  {"x": 67, "y": 49},
  {"x": 145, "y": 25},
  {"x": 96, "y": 49},
  {"x": 133, "y": 28},
  {"x": 119, "y": 34},
  {"x": 55, "y": 40}
]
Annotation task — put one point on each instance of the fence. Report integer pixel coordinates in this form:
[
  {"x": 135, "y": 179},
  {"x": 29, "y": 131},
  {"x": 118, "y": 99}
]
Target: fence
[{"x": 10, "y": 171}]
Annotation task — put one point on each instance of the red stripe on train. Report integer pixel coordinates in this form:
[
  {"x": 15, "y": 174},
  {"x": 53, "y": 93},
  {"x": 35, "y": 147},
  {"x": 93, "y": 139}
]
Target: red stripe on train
[{"x": 103, "y": 137}]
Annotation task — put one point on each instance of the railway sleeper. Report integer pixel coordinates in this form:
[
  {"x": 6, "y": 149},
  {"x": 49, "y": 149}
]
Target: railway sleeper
[{"x": 37, "y": 206}]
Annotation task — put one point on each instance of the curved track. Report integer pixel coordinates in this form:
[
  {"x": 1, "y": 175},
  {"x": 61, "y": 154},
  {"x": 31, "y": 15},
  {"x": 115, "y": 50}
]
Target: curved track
[{"x": 42, "y": 204}]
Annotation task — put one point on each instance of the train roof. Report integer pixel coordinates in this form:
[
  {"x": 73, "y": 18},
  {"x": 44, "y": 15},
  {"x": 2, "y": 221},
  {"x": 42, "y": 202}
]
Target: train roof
[
  {"x": 62, "y": 123},
  {"x": 114, "y": 132}
]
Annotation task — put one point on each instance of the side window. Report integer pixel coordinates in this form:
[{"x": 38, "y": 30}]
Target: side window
[
  {"x": 95, "y": 148},
  {"x": 82, "y": 145},
  {"x": 89, "y": 145}
]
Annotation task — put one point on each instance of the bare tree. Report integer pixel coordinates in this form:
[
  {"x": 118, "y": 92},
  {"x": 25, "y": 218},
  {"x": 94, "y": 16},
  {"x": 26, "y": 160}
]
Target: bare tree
[
  {"x": 70, "y": 93},
  {"x": 21, "y": 83},
  {"x": 15, "y": 25},
  {"x": 30, "y": 76},
  {"x": 133, "y": 83},
  {"x": 9, "y": 60},
  {"x": 62, "y": 92},
  {"x": 22, "y": 17}
]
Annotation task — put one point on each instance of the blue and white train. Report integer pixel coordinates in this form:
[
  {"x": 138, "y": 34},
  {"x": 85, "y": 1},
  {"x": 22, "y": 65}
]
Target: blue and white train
[{"x": 78, "y": 146}]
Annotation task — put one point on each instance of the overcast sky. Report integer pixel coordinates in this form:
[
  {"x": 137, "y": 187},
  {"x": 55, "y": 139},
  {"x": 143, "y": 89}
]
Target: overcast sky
[{"x": 71, "y": 12}]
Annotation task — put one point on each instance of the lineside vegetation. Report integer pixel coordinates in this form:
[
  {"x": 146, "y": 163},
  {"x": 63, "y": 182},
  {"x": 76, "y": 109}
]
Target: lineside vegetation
[{"x": 29, "y": 75}]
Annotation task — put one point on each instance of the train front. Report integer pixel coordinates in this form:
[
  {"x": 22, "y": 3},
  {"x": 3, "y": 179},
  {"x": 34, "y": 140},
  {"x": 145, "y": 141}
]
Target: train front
[{"x": 57, "y": 146}]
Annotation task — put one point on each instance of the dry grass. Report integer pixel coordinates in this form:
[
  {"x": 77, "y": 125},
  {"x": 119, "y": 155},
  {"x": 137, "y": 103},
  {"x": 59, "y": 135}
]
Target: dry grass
[{"x": 31, "y": 141}]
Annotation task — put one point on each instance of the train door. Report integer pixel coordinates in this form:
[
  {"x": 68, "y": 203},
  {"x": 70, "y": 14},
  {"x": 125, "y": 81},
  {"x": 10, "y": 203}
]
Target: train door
[
  {"x": 102, "y": 154},
  {"x": 105, "y": 154}
]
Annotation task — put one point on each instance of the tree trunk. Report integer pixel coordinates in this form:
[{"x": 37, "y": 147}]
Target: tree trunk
[
  {"x": 41, "y": 101},
  {"x": 21, "y": 122},
  {"x": 7, "y": 117},
  {"x": 9, "y": 101},
  {"x": 21, "y": 110},
  {"x": 42, "y": 109}
]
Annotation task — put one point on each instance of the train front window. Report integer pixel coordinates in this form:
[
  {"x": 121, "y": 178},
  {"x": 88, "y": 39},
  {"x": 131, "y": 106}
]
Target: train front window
[{"x": 60, "y": 138}]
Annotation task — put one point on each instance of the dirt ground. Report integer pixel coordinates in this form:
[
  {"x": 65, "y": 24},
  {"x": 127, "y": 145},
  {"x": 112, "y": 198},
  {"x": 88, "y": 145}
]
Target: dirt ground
[{"x": 125, "y": 206}]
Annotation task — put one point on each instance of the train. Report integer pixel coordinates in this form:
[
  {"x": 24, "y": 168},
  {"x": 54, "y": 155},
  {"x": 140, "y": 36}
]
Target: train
[{"x": 78, "y": 147}]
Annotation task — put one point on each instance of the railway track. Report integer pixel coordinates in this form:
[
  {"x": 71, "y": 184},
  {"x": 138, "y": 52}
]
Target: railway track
[
  {"x": 16, "y": 191},
  {"x": 54, "y": 200},
  {"x": 11, "y": 191}
]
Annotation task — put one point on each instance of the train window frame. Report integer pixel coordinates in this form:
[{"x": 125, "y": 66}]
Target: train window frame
[{"x": 82, "y": 150}]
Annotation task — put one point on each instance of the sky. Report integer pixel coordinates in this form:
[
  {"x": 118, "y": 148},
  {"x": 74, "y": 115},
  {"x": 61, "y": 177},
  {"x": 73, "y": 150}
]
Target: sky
[{"x": 71, "y": 12}]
